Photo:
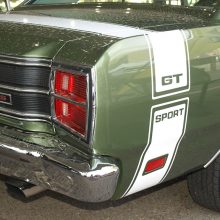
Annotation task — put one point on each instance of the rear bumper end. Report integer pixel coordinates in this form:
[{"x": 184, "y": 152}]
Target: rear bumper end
[{"x": 61, "y": 169}]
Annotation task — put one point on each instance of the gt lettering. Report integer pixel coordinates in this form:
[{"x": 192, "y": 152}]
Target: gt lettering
[
  {"x": 168, "y": 80},
  {"x": 169, "y": 115}
]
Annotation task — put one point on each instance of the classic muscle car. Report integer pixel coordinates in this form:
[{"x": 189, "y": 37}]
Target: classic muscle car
[{"x": 101, "y": 100}]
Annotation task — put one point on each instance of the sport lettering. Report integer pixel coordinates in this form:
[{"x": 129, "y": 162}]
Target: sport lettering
[{"x": 169, "y": 115}]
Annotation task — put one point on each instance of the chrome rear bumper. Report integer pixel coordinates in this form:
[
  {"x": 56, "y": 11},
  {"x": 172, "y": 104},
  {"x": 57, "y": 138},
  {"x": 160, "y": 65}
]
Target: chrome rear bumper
[{"x": 59, "y": 169}]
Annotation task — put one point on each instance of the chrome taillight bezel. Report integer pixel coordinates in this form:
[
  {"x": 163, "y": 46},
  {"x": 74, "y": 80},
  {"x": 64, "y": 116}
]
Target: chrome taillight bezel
[{"x": 88, "y": 105}]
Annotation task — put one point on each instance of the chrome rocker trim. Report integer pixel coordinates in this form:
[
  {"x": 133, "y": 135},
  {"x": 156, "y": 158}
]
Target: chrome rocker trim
[{"x": 61, "y": 169}]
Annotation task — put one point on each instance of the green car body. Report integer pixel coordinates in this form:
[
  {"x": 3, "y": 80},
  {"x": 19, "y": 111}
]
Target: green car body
[{"x": 133, "y": 117}]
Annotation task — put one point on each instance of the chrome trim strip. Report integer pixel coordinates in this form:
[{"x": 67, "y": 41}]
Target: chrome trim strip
[
  {"x": 54, "y": 95},
  {"x": 87, "y": 105},
  {"x": 27, "y": 61},
  {"x": 83, "y": 177},
  {"x": 212, "y": 159},
  {"x": 108, "y": 29},
  {"x": 68, "y": 100},
  {"x": 93, "y": 97},
  {"x": 25, "y": 119},
  {"x": 17, "y": 113},
  {"x": 27, "y": 90}
]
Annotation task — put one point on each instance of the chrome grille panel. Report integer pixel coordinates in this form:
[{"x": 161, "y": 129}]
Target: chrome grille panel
[
  {"x": 27, "y": 82},
  {"x": 24, "y": 76}
]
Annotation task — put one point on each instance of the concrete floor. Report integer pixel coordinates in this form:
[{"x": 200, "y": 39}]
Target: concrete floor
[{"x": 171, "y": 202}]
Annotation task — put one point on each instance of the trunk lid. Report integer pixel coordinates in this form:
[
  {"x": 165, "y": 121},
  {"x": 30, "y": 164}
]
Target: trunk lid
[
  {"x": 32, "y": 41},
  {"x": 144, "y": 16}
]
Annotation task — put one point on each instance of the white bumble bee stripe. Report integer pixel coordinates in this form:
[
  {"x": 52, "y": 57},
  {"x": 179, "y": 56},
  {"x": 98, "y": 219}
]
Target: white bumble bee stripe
[
  {"x": 166, "y": 130},
  {"x": 108, "y": 29},
  {"x": 169, "y": 63}
]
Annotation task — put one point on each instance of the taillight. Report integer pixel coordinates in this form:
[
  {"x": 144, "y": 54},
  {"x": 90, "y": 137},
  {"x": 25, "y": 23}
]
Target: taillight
[
  {"x": 71, "y": 86},
  {"x": 70, "y": 101}
]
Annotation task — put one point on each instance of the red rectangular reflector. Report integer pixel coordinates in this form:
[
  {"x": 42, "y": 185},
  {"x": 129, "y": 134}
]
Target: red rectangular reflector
[
  {"x": 71, "y": 86},
  {"x": 155, "y": 164},
  {"x": 71, "y": 115}
]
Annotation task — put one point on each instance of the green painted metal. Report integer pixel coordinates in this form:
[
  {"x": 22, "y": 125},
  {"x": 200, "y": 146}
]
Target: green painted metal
[
  {"x": 83, "y": 51},
  {"x": 201, "y": 140},
  {"x": 34, "y": 41},
  {"x": 124, "y": 92},
  {"x": 124, "y": 101},
  {"x": 147, "y": 16}
]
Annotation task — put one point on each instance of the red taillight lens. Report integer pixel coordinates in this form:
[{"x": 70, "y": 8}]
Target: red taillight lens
[
  {"x": 72, "y": 86},
  {"x": 71, "y": 115},
  {"x": 155, "y": 164},
  {"x": 71, "y": 111}
]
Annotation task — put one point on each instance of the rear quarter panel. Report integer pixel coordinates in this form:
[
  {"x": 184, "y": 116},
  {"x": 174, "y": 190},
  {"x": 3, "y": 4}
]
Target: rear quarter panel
[{"x": 125, "y": 100}]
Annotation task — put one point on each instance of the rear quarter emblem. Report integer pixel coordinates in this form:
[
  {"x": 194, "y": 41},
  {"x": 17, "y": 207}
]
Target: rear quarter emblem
[{"x": 5, "y": 98}]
